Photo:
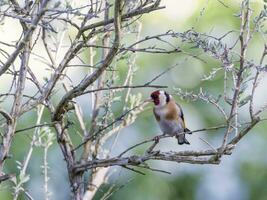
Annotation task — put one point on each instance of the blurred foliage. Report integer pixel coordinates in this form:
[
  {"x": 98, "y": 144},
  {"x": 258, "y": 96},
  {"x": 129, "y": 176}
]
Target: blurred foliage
[
  {"x": 255, "y": 177},
  {"x": 156, "y": 187}
]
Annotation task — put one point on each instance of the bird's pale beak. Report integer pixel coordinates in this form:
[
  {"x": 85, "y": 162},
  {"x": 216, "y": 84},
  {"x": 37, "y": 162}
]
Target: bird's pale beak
[{"x": 148, "y": 100}]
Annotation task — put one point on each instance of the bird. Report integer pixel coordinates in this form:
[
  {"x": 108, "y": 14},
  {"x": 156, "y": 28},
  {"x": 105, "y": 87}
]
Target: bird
[{"x": 169, "y": 116}]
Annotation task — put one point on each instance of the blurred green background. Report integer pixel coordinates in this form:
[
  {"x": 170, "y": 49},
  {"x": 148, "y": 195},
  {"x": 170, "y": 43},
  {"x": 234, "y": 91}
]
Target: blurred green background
[{"x": 241, "y": 176}]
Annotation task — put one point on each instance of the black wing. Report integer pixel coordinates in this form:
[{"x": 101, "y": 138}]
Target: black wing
[{"x": 181, "y": 114}]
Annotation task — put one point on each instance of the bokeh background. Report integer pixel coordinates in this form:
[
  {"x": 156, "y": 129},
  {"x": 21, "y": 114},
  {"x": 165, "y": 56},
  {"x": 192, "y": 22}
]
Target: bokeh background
[{"x": 241, "y": 176}]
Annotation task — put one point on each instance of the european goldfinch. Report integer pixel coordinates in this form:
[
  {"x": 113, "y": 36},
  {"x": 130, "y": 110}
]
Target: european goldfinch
[{"x": 169, "y": 115}]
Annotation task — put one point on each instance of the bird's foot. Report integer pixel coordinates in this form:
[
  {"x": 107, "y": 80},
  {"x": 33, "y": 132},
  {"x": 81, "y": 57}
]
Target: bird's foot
[{"x": 156, "y": 139}]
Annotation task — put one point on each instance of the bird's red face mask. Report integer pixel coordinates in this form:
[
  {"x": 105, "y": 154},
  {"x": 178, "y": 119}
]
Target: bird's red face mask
[{"x": 155, "y": 97}]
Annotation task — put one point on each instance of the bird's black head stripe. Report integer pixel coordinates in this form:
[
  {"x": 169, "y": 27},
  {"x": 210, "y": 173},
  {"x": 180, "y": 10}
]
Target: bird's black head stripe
[{"x": 167, "y": 97}]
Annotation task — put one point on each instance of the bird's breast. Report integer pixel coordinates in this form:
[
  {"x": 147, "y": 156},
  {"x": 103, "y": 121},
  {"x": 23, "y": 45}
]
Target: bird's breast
[
  {"x": 168, "y": 125},
  {"x": 160, "y": 112}
]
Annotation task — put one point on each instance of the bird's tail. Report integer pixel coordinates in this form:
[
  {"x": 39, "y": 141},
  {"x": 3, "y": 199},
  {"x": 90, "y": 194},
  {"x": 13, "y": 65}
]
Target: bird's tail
[{"x": 181, "y": 139}]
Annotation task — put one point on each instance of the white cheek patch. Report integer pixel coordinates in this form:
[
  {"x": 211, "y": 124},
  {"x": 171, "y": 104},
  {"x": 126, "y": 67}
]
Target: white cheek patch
[{"x": 162, "y": 99}]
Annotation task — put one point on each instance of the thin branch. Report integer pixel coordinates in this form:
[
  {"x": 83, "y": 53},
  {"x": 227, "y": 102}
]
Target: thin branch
[
  {"x": 78, "y": 90},
  {"x": 134, "y": 13},
  {"x": 124, "y": 87},
  {"x": 93, "y": 137},
  {"x": 6, "y": 115},
  {"x": 167, "y": 136},
  {"x": 137, "y": 160},
  {"x": 26, "y": 37},
  {"x": 35, "y": 126}
]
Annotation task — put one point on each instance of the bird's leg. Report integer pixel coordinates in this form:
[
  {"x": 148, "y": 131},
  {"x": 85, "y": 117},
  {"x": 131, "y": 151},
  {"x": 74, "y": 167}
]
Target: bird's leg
[
  {"x": 156, "y": 141},
  {"x": 151, "y": 148},
  {"x": 158, "y": 137}
]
